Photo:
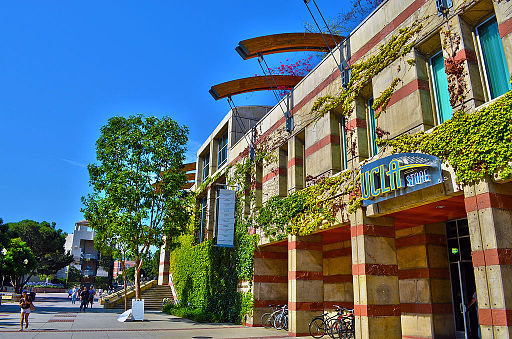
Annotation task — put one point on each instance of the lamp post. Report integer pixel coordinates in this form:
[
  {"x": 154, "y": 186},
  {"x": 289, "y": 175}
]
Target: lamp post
[{"x": 4, "y": 252}]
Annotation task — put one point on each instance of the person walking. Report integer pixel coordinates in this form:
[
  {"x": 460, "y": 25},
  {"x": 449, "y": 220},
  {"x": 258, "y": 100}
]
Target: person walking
[
  {"x": 92, "y": 293},
  {"x": 74, "y": 294},
  {"x": 84, "y": 298},
  {"x": 26, "y": 306}
]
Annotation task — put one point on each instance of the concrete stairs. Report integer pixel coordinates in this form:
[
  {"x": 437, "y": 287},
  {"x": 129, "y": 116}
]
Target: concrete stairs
[{"x": 152, "y": 298}]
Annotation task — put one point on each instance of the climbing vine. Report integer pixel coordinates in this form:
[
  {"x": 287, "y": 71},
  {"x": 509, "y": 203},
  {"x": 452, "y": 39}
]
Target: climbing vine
[{"x": 475, "y": 145}]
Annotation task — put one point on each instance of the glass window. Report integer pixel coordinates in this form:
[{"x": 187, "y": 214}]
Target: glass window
[
  {"x": 495, "y": 64},
  {"x": 440, "y": 82},
  {"x": 203, "y": 219},
  {"x": 206, "y": 166},
  {"x": 223, "y": 150},
  {"x": 344, "y": 157},
  {"x": 372, "y": 125}
]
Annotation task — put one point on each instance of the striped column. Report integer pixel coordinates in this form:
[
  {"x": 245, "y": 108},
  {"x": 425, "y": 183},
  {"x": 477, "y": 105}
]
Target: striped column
[
  {"x": 295, "y": 164},
  {"x": 305, "y": 282},
  {"x": 424, "y": 279},
  {"x": 489, "y": 211},
  {"x": 163, "y": 268},
  {"x": 338, "y": 285},
  {"x": 270, "y": 280},
  {"x": 375, "y": 276}
]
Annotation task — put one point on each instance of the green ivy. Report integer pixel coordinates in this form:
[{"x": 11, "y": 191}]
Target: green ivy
[{"x": 475, "y": 144}]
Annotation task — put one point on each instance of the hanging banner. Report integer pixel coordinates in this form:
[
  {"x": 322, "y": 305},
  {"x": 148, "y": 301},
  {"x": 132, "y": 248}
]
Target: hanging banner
[
  {"x": 398, "y": 174},
  {"x": 225, "y": 218}
]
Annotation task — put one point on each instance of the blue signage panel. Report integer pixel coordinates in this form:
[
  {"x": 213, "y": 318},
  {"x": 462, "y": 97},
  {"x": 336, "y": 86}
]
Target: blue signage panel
[{"x": 398, "y": 174}]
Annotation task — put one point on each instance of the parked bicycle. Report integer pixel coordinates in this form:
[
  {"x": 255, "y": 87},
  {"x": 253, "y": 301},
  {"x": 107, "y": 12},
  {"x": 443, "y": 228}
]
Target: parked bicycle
[
  {"x": 322, "y": 324},
  {"x": 343, "y": 326},
  {"x": 278, "y": 318}
]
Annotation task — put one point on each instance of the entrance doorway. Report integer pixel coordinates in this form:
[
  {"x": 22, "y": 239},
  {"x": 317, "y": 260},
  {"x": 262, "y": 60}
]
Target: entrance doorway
[{"x": 462, "y": 279}]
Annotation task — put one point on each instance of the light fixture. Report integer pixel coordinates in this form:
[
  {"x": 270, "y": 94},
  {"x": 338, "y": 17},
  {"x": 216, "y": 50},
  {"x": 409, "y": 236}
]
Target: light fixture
[{"x": 440, "y": 206}]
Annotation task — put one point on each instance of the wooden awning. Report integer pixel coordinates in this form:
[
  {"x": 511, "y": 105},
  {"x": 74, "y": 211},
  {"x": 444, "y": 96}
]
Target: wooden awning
[
  {"x": 286, "y": 42},
  {"x": 252, "y": 84}
]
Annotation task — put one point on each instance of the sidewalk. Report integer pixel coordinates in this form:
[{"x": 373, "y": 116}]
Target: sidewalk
[{"x": 56, "y": 317}]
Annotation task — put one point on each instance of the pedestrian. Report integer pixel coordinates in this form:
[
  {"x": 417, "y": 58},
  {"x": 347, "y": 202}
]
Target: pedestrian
[
  {"x": 84, "y": 298},
  {"x": 74, "y": 294},
  {"x": 92, "y": 293},
  {"x": 26, "y": 307}
]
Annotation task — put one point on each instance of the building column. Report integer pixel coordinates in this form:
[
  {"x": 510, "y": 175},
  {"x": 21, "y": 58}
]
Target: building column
[
  {"x": 375, "y": 275},
  {"x": 163, "y": 268},
  {"x": 305, "y": 282},
  {"x": 425, "y": 291},
  {"x": 211, "y": 205},
  {"x": 489, "y": 211},
  {"x": 295, "y": 164},
  {"x": 270, "y": 280}
]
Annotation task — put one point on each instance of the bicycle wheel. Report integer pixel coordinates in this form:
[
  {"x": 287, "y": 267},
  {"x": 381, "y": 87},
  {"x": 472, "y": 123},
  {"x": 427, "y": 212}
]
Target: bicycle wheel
[
  {"x": 278, "y": 321},
  {"x": 336, "y": 329},
  {"x": 317, "y": 327},
  {"x": 266, "y": 320},
  {"x": 285, "y": 322}
]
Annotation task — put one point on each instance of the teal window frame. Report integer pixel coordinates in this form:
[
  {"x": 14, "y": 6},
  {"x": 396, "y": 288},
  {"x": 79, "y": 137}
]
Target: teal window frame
[
  {"x": 372, "y": 129},
  {"x": 493, "y": 65},
  {"x": 223, "y": 150},
  {"x": 443, "y": 107}
]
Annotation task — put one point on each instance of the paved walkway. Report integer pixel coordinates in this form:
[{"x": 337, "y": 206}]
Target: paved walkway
[{"x": 56, "y": 317}]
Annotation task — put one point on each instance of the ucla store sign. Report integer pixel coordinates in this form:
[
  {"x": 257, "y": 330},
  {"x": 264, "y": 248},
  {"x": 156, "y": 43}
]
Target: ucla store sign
[{"x": 397, "y": 175}]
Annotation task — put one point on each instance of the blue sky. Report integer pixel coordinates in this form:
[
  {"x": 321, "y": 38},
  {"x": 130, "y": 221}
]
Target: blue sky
[{"x": 66, "y": 67}]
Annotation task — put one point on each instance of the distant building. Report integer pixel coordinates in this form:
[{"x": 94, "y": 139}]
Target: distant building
[
  {"x": 118, "y": 270},
  {"x": 81, "y": 246}
]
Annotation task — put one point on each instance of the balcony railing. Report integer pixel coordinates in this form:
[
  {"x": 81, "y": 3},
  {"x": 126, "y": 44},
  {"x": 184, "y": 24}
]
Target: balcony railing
[
  {"x": 89, "y": 256},
  {"x": 89, "y": 273}
]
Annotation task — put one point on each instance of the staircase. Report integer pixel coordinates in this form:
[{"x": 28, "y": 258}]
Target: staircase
[{"x": 152, "y": 298}]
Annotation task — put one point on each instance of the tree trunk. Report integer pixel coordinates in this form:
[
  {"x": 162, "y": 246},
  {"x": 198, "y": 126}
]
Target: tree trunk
[
  {"x": 125, "y": 285},
  {"x": 138, "y": 264},
  {"x": 111, "y": 273}
]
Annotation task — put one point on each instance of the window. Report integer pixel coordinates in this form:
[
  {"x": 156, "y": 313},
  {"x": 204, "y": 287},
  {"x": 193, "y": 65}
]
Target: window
[
  {"x": 343, "y": 135},
  {"x": 372, "y": 126},
  {"x": 493, "y": 56},
  {"x": 206, "y": 166},
  {"x": 440, "y": 83},
  {"x": 223, "y": 150},
  {"x": 202, "y": 228}
]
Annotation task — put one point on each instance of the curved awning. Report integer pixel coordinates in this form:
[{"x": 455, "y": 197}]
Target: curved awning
[
  {"x": 286, "y": 42},
  {"x": 252, "y": 84}
]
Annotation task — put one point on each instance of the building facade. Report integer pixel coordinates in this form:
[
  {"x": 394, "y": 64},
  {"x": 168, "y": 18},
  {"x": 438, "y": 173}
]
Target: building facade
[{"x": 409, "y": 264}]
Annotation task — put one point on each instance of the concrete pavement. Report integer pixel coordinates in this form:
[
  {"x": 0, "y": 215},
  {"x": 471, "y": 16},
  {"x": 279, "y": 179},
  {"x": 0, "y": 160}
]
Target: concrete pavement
[{"x": 56, "y": 317}]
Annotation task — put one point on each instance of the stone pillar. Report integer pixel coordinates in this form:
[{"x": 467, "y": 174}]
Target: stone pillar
[
  {"x": 283, "y": 172},
  {"x": 338, "y": 285},
  {"x": 163, "y": 268},
  {"x": 356, "y": 130},
  {"x": 214, "y": 156},
  {"x": 425, "y": 292},
  {"x": 375, "y": 274},
  {"x": 295, "y": 164},
  {"x": 305, "y": 282},
  {"x": 489, "y": 211},
  {"x": 270, "y": 280},
  {"x": 504, "y": 19}
]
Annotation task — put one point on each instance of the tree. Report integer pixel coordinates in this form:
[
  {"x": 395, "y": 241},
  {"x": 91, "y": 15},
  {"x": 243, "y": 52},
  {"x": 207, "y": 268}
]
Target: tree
[
  {"x": 150, "y": 266},
  {"x": 107, "y": 262},
  {"x": 47, "y": 245},
  {"x": 74, "y": 274},
  {"x": 17, "y": 262},
  {"x": 137, "y": 183}
]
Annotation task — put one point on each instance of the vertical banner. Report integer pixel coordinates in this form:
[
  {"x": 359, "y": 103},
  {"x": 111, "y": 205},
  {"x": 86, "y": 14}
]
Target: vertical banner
[{"x": 226, "y": 218}]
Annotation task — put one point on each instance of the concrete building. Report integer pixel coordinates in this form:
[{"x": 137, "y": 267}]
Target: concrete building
[
  {"x": 118, "y": 270},
  {"x": 409, "y": 262},
  {"x": 81, "y": 246}
]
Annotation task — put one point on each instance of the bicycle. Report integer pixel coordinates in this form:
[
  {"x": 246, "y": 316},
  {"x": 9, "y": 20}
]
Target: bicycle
[
  {"x": 321, "y": 325},
  {"x": 281, "y": 319},
  {"x": 344, "y": 325},
  {"x": 267, "y": 319}
]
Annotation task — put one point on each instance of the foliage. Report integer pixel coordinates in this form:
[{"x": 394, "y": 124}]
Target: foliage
[
  {"x": 137, "y": 183},
  {"x": 74, "y": 274},
  {"x": 151, "y": 265},
  {"x": 206, "y": 277},
  {"x": 476, "y": 145},
  {"x": 44, "y": 285},
  {"x": 17, "y": 262},
  {"x": 102, "y": 282},
  {"x": 46, "y": 243}
]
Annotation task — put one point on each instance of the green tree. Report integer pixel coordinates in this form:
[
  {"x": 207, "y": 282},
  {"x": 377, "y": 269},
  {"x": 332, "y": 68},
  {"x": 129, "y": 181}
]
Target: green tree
[
  {"x": 17, "y": 262},
  {"x": 137, "y": 182},
  {"x": 47, "y": 244},
  {"x": 74, "y": 274}
]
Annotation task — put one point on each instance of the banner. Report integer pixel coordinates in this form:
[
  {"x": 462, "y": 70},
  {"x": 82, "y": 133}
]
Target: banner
[{"x": 226, "y": 218}]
